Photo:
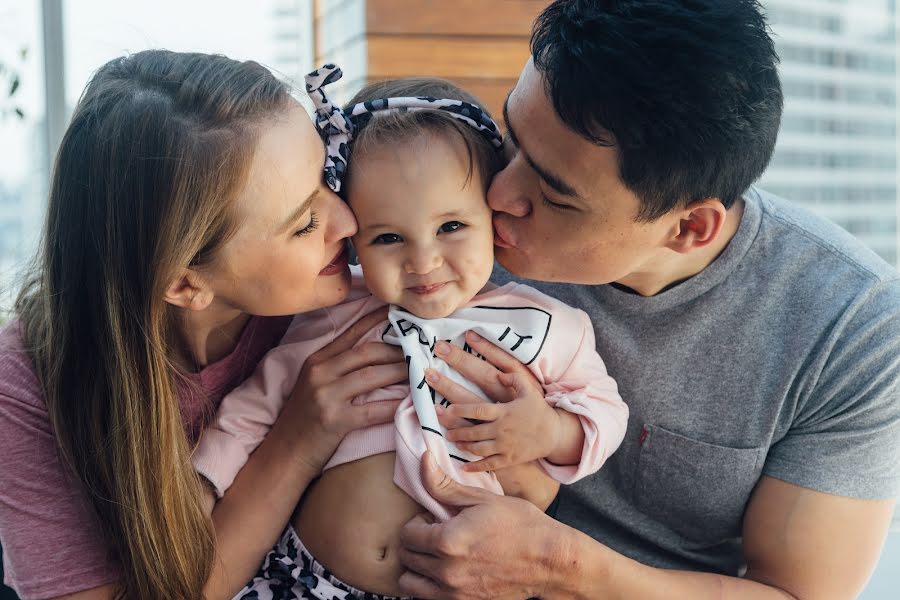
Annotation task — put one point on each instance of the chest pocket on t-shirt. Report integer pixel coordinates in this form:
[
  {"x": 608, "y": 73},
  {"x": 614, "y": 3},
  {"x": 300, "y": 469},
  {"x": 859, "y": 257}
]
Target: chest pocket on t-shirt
[{"x": 699, "y": 490}]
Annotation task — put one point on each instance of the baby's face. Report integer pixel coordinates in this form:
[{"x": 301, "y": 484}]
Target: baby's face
[{"x": 425, "y": 239}]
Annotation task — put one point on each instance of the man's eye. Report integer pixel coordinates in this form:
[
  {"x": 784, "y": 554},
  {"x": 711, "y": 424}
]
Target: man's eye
[
  {"x": 554, "y": 205},
  {"x": 387, "y": 238},
  {"x": 450, "y": 226}
]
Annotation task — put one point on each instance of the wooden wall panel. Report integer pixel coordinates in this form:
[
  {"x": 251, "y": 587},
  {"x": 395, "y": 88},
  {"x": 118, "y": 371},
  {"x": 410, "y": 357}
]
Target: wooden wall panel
[
  {"x": 480, "y": 44},
  {"x": 491, "y": 58},
  {"x": 492, "y": 92},
  {"x": 454, "y": 17}
]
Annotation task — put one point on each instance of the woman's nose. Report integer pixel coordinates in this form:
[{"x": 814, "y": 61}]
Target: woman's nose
[{"x": 340, "y": 222}]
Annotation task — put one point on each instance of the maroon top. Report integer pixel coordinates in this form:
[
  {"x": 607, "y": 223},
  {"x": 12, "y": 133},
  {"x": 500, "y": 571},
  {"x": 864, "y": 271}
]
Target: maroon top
[{"x": 48, "y": 530}]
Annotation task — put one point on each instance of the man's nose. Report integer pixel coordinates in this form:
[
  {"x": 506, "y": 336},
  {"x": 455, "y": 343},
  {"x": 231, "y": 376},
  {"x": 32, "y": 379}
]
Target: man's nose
[{"x": 506, "y": 192}]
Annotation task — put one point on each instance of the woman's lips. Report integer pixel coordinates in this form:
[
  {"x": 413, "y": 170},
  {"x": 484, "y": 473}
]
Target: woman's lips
[
  {"x": 337, "y": 264},
  {"x": 499, "y": 239},
  {"x": 424, "y": 290}
]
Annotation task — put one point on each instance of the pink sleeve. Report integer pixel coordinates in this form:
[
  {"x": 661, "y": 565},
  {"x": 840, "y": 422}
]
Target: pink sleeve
[
  {"x": 578, "y": 383},
  {"x": 51, "y": 539},
  {"x": 247, "y": 413}
]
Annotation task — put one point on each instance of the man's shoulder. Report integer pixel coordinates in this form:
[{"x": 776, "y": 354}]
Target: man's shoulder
[{"x": 796, "y": 235}]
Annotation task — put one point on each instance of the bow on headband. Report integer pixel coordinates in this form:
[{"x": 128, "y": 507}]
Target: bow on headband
[{"x": 337, "y": 128}]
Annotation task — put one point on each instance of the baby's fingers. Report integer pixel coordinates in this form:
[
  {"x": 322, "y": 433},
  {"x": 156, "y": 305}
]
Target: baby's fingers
[
  {"x": 472, "y": 433},
  {"x": 478, "y": 412},
  {"x": 491, "y": 463},
  {"x": 484, "y": 448}
]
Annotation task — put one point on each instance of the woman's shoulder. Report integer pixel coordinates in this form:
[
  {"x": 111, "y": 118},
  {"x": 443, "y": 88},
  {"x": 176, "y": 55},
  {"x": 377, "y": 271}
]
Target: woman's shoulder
[{"x": 18, "y": 381}]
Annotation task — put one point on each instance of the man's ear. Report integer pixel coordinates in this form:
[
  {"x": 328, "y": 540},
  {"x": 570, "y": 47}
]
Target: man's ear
[
  {"x": 189, "y": 290},
  {"x": 699, "y": 224}
]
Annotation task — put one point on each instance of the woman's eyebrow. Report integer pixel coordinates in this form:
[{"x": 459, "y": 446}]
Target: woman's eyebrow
[{"x": 296, "y": 214}]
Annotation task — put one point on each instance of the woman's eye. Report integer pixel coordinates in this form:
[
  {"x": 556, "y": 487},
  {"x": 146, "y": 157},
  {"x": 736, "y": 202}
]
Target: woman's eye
[
  {"x": 313, "y": 224},
  {"x": 387, "y": 238},
  {"x": 450, "y": 227}
]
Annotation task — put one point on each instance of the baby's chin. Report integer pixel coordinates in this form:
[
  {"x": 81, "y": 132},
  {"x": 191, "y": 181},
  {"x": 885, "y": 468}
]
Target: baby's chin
[{"x": 429, "y": 310}]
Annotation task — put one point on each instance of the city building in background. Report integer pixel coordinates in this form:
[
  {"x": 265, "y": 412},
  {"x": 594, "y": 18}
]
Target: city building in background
[
  {"x": 837, "y": 148},
  {"x": 292, "y": 34}
]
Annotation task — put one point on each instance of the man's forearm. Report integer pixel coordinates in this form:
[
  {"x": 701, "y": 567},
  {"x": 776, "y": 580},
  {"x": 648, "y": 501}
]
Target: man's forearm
[{"x": 592, "y": 571}]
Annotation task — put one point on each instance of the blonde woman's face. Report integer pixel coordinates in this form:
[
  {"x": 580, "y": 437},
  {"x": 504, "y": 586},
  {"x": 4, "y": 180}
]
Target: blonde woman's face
[{"x": 288, "y": 254}]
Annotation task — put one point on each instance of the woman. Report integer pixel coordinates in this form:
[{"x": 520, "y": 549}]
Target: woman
[{"x": 187, "y": 196}]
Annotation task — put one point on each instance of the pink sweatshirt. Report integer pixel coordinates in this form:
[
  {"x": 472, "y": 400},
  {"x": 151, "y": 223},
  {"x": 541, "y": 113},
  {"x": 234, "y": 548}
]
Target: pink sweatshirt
[
  {"x": 554, "y": 340},
  {"x": 52, "y": 543}
]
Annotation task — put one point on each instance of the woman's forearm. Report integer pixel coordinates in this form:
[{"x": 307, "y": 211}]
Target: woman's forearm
[{"x": 257, "y": 507}]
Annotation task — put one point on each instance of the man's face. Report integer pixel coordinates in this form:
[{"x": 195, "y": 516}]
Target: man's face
[{"x": 562, "y": 212}]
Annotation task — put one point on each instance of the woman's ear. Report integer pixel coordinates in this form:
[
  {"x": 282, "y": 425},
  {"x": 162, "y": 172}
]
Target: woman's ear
[
  {"x": 189, "y": 290},
  {"x": 699, "y": 225}
]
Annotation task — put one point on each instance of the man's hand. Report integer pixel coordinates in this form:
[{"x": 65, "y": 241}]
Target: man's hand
[{"x": 496, "y": 547}]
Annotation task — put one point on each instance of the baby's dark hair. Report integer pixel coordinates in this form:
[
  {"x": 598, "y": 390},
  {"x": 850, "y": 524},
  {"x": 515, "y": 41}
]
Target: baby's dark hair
[{"x": 396, "y": 127}]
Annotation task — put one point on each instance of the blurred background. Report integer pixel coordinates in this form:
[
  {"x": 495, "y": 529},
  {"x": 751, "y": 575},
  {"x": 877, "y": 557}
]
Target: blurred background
[{"x": 836, "y": 153}]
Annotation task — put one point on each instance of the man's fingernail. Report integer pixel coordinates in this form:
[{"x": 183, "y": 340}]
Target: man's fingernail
[
  {"x": 432, "y": 376},
  {"x": 472, "y": 336},
  {"x": 442, "y": 349}
]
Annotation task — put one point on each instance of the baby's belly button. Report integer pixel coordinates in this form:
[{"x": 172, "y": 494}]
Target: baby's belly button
[{"x": 350, "y": 522}]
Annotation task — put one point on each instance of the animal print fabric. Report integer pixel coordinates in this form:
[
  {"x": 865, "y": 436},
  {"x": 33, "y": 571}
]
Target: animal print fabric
[
  {"x": 290, "y": 572},
  {"x": 337, "y": 127}
]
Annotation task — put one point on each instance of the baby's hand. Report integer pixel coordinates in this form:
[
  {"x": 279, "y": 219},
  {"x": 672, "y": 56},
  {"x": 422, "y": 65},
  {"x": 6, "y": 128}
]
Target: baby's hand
[{"x": 511, "y": 433}]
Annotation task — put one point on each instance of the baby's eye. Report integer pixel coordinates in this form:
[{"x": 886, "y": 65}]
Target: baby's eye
[
  {"x": 450, "y": 226},
  {"x": 387, "y": 238}
]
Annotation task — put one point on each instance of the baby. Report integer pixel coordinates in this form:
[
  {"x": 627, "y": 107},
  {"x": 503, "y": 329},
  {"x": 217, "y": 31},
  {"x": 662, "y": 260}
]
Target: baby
[{"x": 423, "y": 154}]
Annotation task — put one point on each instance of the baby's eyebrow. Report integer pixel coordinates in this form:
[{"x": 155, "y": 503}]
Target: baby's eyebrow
[{"x": 376, "y": 226}]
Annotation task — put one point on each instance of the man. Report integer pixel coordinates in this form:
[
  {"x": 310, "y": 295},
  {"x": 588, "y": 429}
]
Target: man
[{"x": 758, "y": 347}]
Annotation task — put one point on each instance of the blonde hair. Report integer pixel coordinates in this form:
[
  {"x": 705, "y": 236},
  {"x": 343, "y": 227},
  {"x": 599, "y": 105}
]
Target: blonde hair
[{"x": 158, "y": 147}]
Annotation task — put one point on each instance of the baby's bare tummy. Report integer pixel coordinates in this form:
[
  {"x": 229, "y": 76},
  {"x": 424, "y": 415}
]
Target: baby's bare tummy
[{"x": 350, "y": 520}]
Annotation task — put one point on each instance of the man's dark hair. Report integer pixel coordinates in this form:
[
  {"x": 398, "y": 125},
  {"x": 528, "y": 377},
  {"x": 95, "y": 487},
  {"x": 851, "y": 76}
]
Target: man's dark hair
[{"x": 686, "y": 90}]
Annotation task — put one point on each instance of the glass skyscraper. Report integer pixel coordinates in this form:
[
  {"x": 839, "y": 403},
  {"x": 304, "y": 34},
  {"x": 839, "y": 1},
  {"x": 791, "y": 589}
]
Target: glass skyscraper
[{"x": 837, "y": 148}]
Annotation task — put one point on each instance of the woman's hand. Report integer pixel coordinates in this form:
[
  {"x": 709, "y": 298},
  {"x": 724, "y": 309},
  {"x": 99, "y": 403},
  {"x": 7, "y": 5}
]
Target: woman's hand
[{"x": 321, "y": 406}]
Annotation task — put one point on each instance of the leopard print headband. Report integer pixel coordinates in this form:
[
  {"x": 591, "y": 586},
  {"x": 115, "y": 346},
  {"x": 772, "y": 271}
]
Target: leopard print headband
[{"x": 337, "y": 127}]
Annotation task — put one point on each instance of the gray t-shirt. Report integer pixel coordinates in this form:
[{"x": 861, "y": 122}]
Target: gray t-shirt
[{"x": 781, "y": 358}]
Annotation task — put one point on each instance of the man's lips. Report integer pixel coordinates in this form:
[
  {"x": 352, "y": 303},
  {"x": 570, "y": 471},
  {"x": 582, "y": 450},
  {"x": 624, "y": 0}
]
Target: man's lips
[
  {"x": 424, "y": 290},
  {"x": 337, "y": 264},
  {"x": 500, "y": 239}
]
